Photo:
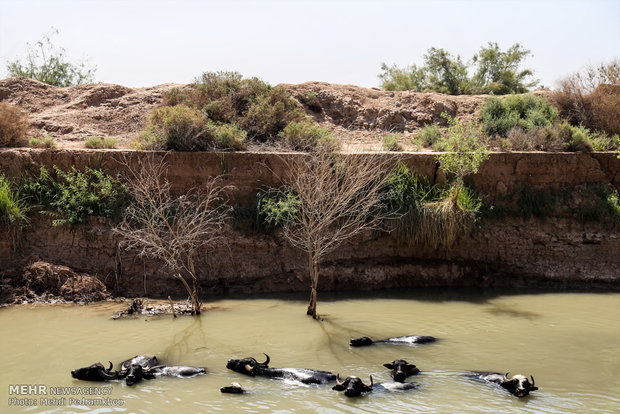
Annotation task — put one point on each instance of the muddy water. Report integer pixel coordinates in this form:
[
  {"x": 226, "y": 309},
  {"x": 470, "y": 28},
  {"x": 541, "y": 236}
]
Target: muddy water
[{"x": 570, "y": 342}]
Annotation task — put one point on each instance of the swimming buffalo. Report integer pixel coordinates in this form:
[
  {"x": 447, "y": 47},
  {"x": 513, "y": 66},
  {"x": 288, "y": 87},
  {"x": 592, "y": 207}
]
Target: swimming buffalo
[
  {"x": 136, "y": 369},
  {"x": 135, "y": 373},
  {"x": 249, "y": 366},
  {"x": 401, "y": 369},
  {"x": 95, "y": 372},
  {"x": 518, "y": 385},
  {"x": 144, "y": 361},
  {"x": 141, "y": 367},
  {"x": 354, "y": 386},
  {"x": 398, "y": 340},
  {"x": 233, "y": 388}
]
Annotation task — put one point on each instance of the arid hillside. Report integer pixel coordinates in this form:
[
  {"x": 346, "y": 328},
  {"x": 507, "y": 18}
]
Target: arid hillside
[{"x": 358, "y": 116}]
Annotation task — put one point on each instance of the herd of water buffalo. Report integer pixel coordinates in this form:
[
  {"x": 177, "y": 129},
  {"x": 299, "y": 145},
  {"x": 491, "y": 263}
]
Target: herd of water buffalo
[{"x": 141, "y": 367}]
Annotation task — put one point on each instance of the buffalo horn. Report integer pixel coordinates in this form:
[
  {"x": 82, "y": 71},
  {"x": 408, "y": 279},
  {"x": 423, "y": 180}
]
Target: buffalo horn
[
  {"x": 532, "y": 377},
  {"x": 267, "y": 360},
  {"x": 370, "y": 386},
  {"x": 506, "y": 374},
  {"x": 110, "y": 369},
  {"x": 338, "y": 382}
]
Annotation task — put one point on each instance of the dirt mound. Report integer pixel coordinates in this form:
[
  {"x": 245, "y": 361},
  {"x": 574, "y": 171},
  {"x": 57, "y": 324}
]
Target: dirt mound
[
  {"x": 358, "y": 116},
  {"x": 73, "y": 114},
  {"x": 45, "y": 282},
  {"x": 361, "y": 116}
]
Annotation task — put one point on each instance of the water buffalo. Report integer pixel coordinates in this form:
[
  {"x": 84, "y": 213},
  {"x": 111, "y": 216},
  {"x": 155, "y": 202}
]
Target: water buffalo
[
  {"x": 233, "y": 388},
  {"x": 354, "y": 386},
  {"x": 401, "y": 369},
  {"x": 95, "y": 372},
  {"x": 398, "y": 340},
  {"x": 135, "y": 373},
  {"x": 144, "y": 361},
  {"x": 518, "y": 385},
  {"x": 142, "y": 367},
  {"x": 249, "y": 366}
]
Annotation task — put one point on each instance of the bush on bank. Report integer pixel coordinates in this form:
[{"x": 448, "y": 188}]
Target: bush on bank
[
  {"x": 13, "y": 125},
  {"x": 72, "y": 196},
  {"x": 223, "y": 110}
]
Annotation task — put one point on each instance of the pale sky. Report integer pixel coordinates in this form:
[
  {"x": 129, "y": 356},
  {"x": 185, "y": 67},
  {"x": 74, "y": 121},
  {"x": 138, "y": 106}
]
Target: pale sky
[{"x": 139, "y": 43}]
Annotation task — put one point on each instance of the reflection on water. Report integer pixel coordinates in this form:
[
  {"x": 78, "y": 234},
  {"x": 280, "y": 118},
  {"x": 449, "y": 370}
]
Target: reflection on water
[{"x": 568, "y": 342}]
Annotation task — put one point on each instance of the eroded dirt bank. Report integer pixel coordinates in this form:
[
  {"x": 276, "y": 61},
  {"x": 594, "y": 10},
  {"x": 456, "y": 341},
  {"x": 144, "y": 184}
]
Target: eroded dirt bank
[{"x": 559, "y": 252}]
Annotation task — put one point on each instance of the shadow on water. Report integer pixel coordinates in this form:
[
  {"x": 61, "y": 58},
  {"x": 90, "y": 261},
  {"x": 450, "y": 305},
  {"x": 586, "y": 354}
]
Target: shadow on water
[
  {"x": 511, "y": 312},
  {"x": 473, "y": 295}
]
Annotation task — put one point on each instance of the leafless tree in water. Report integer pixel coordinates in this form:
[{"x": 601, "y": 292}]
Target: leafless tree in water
[
  {"x": 339, "y": 197},
  {"x": 173, "y": 229}
]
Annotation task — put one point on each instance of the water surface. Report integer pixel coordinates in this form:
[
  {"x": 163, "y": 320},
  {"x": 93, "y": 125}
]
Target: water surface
[{"x": 570, "y": 343}]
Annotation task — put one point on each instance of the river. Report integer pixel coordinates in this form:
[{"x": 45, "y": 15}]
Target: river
[{"x": 569, "y": 342}]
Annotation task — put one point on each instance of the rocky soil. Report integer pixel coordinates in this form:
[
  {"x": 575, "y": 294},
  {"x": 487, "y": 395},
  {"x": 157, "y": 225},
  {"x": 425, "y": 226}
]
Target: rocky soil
[{"x": 358, "y": 116}]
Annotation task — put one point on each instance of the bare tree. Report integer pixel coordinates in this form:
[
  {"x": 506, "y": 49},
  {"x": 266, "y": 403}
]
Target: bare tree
[
  {"x": 338, "y": 197},
  {"x": 173, "y": 229}
]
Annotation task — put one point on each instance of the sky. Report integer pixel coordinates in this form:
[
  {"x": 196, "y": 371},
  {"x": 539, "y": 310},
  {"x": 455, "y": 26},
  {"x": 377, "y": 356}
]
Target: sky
[{"x": 140, "y": 43}]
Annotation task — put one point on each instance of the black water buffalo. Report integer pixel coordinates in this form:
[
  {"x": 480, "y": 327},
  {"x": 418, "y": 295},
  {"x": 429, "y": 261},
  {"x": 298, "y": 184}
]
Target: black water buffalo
[
  {"x": 135, "y": 373},
  {"x": 95, "y": 372},
  {"x": 233, "y": 388},
  {"x": 398, "y": 340},
  {"x": 249, "y": 366},
  {"x": 518, "y": 385},
  {"x": 354, "y": 386},
  {"x": 142, "y": 367},
  {"x": 401, "y": 369},
  {"x": 144, "y": 361}
]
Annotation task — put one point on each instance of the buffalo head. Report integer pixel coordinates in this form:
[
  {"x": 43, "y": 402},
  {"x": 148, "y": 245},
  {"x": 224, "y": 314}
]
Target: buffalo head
[
  {"x": 363, "y": 341},
  {"x": 135, "y": 373},
  {"x": 248, "y": 366},
  {"x": 95, "y": 372},
  {"x": 401, "y": 369},
  {"x": 352, "y": 386},
  {"x": 233, "y": 388},
  {"x": 519, "y": 385}
]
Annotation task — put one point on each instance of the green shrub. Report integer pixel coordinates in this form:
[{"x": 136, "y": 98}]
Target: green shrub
[
  {"x": 580, "y": 138},
  {"x": 12, "y": 208},
  {"x": 390, "y": 142},
  {"x": 269, "y": 114},
  {"x": 613, "y": 203},
  {"x": 500, "y": 115},
  {"x": 74, "y": 195},
  {"x": 13, "y": 125},
  {"x": 177, "y": 128},
  {"x": 495, "y": 71},
  {"x": 42, "y": 142},
  {"x": 428, "y": 214},
  {"x": 229, "y": 136},
  {"x": 464, "y": 150},
  {"x": 469, "y": 201},
  {"x": 405, "y": 190},
  {"x": 100, "y": 143},
  {"x": 429, "y": 135},
  {"x": 276, "y": 209},
  {"x": 46, "y": 63},
  {"x": 228, "y": 98},
  {"x": 578, "y": 141},
  {"x": 306, "y": 136}
]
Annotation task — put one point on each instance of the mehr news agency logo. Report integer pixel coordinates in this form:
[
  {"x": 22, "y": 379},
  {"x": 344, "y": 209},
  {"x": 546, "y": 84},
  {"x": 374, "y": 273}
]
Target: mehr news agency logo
[{"x": 31, "y": 395}]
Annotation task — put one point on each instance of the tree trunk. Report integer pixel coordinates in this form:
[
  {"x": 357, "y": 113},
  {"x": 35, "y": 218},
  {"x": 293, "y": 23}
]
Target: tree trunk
[
  {"x": 193, "y": 294},
  {"x": 314, "y": 279},
  {"x": 195, "y": 301}
]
